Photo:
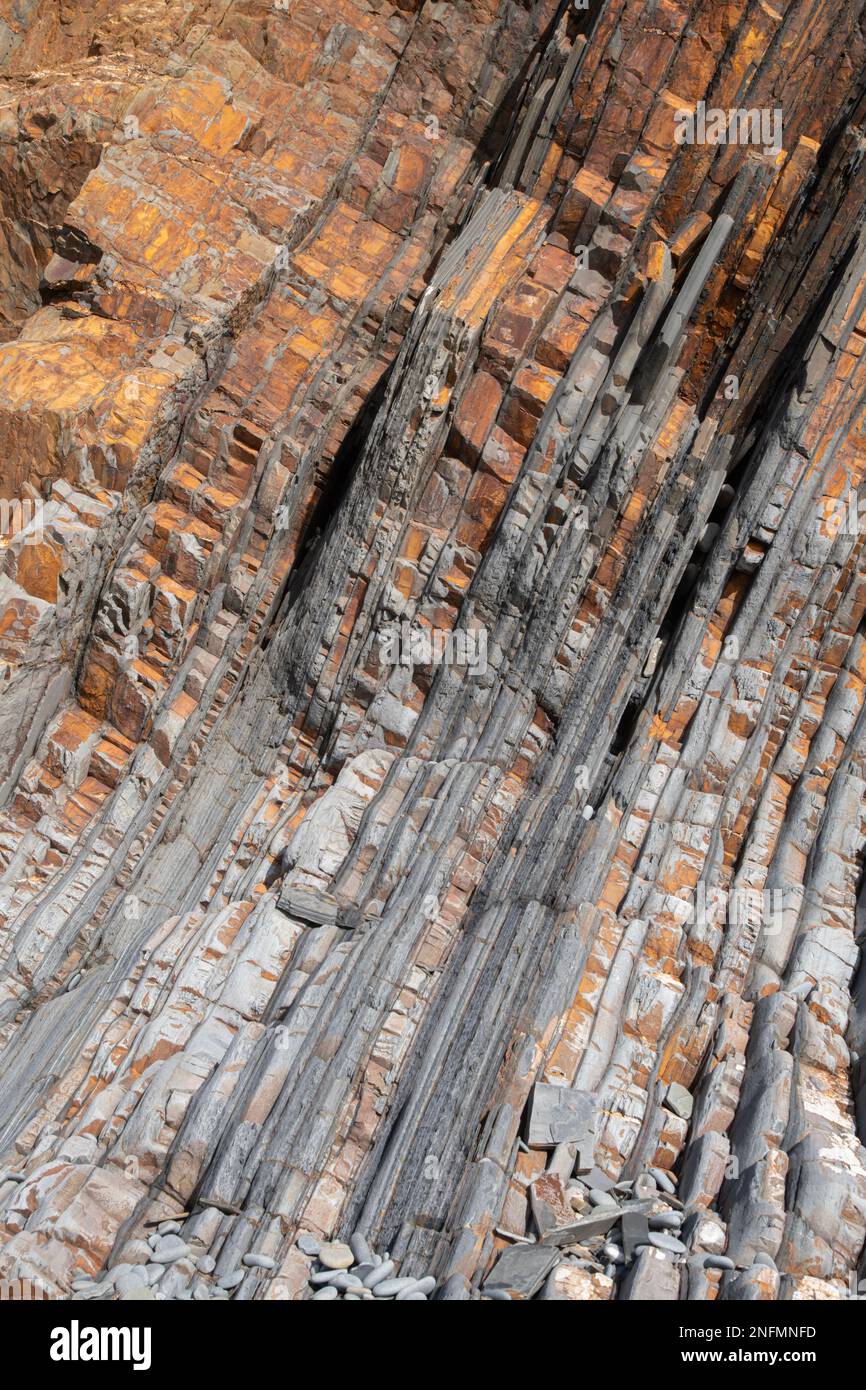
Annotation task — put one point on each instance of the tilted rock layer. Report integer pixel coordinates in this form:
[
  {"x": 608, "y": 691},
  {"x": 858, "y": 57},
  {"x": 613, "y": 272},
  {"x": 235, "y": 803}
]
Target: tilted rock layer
[{"x": 326, "y": 327}]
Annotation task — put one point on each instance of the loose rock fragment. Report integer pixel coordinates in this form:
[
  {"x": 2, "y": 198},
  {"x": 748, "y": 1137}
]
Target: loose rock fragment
[{"x": 336, "y": 1255}]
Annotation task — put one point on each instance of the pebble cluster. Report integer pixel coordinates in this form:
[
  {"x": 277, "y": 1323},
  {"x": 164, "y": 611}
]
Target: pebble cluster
[
  {"x": 663, "y": 1223},
  {"x": 356, "y": 1274},
  {"x": 166, "y": 1267},
  {"x": 614, "y": 1225}
]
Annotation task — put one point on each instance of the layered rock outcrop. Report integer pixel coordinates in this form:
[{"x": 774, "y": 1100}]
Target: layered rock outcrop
[{"x": 432, "y": 734}]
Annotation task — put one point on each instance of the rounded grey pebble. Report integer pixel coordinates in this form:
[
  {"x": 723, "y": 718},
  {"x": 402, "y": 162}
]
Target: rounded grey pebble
[
  {"x": 664, "y": 1180},
  {"x": 131, "y": 1280},
  {"x": 362, "y": 1270},
  {"x": 645, "y": 1186},
  {"x": 344, "y": 1281},
  {"x": 610, "y": 1271},
  {"x": 718, "y": 1262},
  {"x": 382, "y": 1271},
  {"x": 499, "y": 1295},
  {"x": 309, "y": 1245},
  {"x": 154, "y": 1273},
  {"x": 662, "y": 1241},
  {"x": 336, "y": 1255},
  {"x": 613, "y": 1252},
  {"x": 325, "y": 1276},
  {"x": 413, "y": 1297},
  {"x": 207, "y": 1264},
  {"x": 168, "y": 1257},
  {"x": 169, "y": 1249},
  {"x": 259, "y": 1262},
  {"x": 601, "y": 1199},
  {"x": 766, "y": 1260},
  {"x": 353, "y": 1298},
  {"x": 326, "y": 1294},
  {"x": 387, "y": 1288},
  {"x": 665, "y": 1221},
  {"x": 168, "y": 1228},
  {"x": 360, "y": 1248},
  {"x": 424, "y": 1286},
  {"x": 230, "y": 1281}
]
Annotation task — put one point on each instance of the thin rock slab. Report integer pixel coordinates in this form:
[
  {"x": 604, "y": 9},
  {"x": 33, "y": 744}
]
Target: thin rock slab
[
  {"x": 635, "y": 1232},
  {"x": 520, "y": 1271},
  {"x": 652, "y": 1278},
  {"x": 598, "y": 1224},
  {"x": 681, "y": 1101},
  {"x": 315, "y": 909},
  {"x": 558, "y": 1115}
]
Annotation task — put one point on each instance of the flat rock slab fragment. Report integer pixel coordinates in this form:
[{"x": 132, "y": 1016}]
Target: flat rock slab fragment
[
  {"x": 558, "y": 1115},
  {"x": 600, "y": 1222},
  {"x": 652, "y": 1278},
  {"x": 316, "y": 909},
  {"x": 521, "y": 1271},
  {"x": 635, "y": 1232},
  {"x": 679, "y": 1100}
]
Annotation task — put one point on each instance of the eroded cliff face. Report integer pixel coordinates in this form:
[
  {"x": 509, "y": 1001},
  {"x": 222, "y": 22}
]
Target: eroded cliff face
[{"x": 433, "y": 648}]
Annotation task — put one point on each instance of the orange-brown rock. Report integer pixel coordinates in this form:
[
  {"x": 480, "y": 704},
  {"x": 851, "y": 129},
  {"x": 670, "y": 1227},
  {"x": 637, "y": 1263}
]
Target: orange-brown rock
[{"x": 432, "y": 652}]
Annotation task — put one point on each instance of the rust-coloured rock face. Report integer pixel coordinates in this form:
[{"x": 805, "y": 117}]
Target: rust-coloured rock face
[{"x": 432, "y": 649}]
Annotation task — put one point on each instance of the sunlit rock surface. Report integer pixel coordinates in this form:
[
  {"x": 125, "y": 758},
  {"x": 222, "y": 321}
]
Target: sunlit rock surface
[{"x": 432, "y": 646}]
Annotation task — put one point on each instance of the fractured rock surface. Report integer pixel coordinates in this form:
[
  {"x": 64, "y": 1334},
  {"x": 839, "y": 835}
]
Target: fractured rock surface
[{"x": 432, "y": 732}]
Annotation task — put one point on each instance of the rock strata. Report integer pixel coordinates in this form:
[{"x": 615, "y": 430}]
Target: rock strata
[{"x": 432, "y": 650}]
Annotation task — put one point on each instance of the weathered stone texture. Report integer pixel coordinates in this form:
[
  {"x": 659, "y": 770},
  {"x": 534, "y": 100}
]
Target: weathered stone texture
[{"x": 320, "y": 324}]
